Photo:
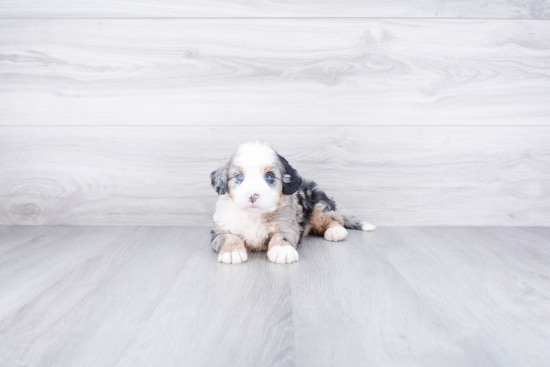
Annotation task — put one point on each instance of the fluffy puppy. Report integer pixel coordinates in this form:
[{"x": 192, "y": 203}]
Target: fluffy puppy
[{"x": 264, "y": 204}]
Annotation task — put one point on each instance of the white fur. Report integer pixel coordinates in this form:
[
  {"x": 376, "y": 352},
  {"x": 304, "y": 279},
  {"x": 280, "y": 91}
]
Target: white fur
[
  {"x": 285, "y": 254},
  {"x": 253, "y": 157},
  {"x": 235, "y": 257},
  {"x": 336, "y": 233},
  {"x": 367, "y": 227},
  {"x": 241, "y": 223}
]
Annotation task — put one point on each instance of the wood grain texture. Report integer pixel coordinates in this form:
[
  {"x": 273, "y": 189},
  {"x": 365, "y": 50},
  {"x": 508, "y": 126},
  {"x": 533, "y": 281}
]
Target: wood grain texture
[
  {"x": 274, "y": 71},
  {"x": 527, "y": 253},
  {"x": 393, "y": 297},
  {"x": 407, "y": 175},
  {"x": 88, "y": 316},
  {"x": 349, "y": 310},
  {"x": 532, "y": 9},
  {"x": 155, "y": 296},
  {"x": 12, "y": 237},
  {"x": 216, "y": 315},
  {"x": 45, "y": 258},
  {"x": 477, "y": 292}
]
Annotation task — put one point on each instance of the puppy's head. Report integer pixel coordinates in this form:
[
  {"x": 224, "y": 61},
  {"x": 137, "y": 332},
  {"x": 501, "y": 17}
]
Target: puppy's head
[{"x": 255, "y": 178}]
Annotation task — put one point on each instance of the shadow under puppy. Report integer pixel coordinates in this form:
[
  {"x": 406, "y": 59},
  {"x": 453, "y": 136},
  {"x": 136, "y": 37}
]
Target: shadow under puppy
[{"x": 264, "y": 204}]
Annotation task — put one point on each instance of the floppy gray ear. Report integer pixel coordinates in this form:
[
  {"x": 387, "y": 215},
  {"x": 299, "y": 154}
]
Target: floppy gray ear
[
  {"x": 218, "y": 178},
  {"x": 291, "y": 178}
]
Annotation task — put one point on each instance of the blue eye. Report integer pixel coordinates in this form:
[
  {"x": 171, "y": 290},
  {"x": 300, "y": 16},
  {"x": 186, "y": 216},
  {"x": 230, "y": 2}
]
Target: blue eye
[
  {"x": 269, "y": 177},
  {"x": 240, "y": 177}
]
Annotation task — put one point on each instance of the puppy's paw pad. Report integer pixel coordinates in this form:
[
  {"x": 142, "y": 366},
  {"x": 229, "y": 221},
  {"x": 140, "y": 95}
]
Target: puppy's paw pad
[
  {"x": 285, "y": 254},
  {"x": 367, "y": 227},
  {"x": 336, "y": 233},
  {"x": 234, "y": 257}
]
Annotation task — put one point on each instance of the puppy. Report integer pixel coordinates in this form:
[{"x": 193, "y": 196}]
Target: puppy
[{"x": 264, "y": 204}]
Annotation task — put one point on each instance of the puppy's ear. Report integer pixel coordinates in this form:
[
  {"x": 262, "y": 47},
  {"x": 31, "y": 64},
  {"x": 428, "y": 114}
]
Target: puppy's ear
[
  {"x": 291, "y": 178},
  {"x": 219, "y": 180}
]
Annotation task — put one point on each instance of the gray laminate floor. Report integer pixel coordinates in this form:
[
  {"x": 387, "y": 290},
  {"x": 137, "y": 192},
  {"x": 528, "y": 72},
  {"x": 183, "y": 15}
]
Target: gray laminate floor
[{"x": 156, "y": 296}]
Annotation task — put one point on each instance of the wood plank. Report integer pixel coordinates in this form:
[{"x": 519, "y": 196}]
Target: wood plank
[
  {"x": 497, "y": 315},
  {"x": 36, "y": 265},
  {"x": 302, "y": 8},
  {"x": 90, "y": 315},
  {"x": 387, "y": 175},
  {"x": 13, "y": 236},
  {"x": 525, "y": 251},
  {"x": 352, "y": 307},
  {"x": 392, "y": 297},
  {"x": 274, "y": 71},
  {"x": 219, "y": 315}
]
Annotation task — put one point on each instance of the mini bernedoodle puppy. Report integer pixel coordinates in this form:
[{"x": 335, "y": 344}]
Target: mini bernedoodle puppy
[{"x": 264, "y": 204}]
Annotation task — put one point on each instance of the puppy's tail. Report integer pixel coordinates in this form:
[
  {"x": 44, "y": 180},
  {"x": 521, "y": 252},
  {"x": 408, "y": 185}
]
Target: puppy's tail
[{"x": 353, "y": 223}]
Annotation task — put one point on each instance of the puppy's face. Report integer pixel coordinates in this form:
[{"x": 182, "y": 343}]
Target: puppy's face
[{"x": 255, "y": 178}]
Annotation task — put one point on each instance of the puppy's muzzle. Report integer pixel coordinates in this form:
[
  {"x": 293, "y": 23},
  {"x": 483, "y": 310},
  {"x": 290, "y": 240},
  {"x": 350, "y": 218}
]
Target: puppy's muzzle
[{"x": 253, "y": 198}]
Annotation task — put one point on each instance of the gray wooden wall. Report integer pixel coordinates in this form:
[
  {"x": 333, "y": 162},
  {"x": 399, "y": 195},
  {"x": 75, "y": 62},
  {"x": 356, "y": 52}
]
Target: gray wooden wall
[{"x": 424, "y": 112}]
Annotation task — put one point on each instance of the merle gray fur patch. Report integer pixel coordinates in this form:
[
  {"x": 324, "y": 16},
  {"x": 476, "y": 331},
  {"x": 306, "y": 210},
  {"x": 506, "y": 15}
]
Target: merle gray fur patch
[{"x": 218, "y": 179}]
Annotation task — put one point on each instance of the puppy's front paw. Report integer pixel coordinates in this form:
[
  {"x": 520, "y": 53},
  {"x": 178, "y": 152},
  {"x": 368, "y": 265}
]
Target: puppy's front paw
[
  {"x": 284, "y": 254},
  {"x": 233, "y": 257},
  {"x": 335, "y": 233}
]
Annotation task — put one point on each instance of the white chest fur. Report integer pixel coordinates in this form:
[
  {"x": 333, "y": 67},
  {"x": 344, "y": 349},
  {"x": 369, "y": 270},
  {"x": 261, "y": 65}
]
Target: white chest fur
[{"x": 248, "y": 226}]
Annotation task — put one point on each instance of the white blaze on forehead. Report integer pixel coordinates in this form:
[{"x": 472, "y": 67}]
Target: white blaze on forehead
[
  {"x": 254, "y": 155},
  {"x": 252, "y": 159}
]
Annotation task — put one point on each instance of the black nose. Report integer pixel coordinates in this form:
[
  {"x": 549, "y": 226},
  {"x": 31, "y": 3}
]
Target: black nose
[{"x": 253, "y": 198}]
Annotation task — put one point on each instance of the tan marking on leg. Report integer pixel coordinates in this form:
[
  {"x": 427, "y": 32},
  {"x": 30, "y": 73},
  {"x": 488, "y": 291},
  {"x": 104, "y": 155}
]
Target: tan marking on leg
[
  {"x": 277, "y": 239},
  {"x": 232, "y": 243},
  {"x": 318, "y": 221},
  {"x": 321, "y": 221},
  {"x": 233, "y": 250}
]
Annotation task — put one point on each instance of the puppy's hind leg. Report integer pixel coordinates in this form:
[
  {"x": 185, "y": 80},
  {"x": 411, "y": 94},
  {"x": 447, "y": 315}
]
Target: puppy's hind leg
[
  {"x": 328, "y": 224},
  {"x": 335, "y": 232},
  {"x": 336, "y": 229}
]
